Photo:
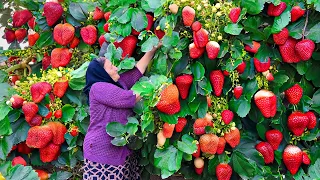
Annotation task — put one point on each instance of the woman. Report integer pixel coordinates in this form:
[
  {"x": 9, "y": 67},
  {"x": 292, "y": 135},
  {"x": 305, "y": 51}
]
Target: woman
[{"x": 110, "y": 100}]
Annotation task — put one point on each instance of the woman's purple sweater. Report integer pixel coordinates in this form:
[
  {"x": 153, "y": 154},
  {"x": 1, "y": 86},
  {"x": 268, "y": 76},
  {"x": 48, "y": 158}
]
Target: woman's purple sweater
[{"x": 109, "y": 103}]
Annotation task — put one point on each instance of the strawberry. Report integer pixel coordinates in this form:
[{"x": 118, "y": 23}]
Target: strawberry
[
  {"x": 19, "y": 160},
  {"x": 32, "y": 22},
  {"x": 254, "y": 48},
  {"x": 241, "y": 67},
  {"x": 106, "y": 29},
  {"x": 15, "y": 78},
  {"x": 169, "y": 100},
  {"x": 74, "y": 131},
  {"x": 312, "y": 120},
  {"x": 60, "y": 87},
  {"x": 20, "y": 34},
  {"x": 267, "y": 152},
  {"x": 49, "y": 153},
  {"x": 294, "y": 94},
  {"x": 198, "y": 151},
  {"x": 195, "y": 52},
  {"x": 304, "y": 49},
  {"x": 23, "y": 148},
  {"x": 9, "y": 35},
  {"x": 89, "y": 34},
  {"x": 161, "y": 140},
  {"x": 225, "y": 73},
  {"x": 32, "y": 37},
  {"x": 74, "y": 43},
  {"x": 266, "y": 102},
  {"x": 233, "y": 137},
  {"x": 29, "y": 109},
  {"x": 183, "y": 83},
  {"x": 63, "y": 34},
  {"x": 149, "y": 26},
  {"x": 159, "y": 33},
  {"x": 297, "y": 123},
  {"x": 43, "y": 175},
  {"x": 305, "y": 158},
  {"x": 212, "y": 49},
  {"x": 269, "y": 76},
  {"x": 58, "y": 114},
  {"x": 168, "y": 130},
  {"x": 128, "y": 45},
  {"x": 39, "y": 91},
  {"x": 274, "y": 138},
  {"x": 234, "y": 14},
  {"x": 182, "y": 122},
  {"x": 101, "y": 40},
  {"x": 35, "y": 121},
  {"x": 276, "y": 10},
  {"x": 188, "y": 15},
  {"x": 17, "y": 101},
  {"x": 281, "y": 37},
  {"x": 46, "y": 61},
  {"x": 209, "y": 143},
  {"x": 98, "y": 14},
  {"x": 287, "y": 51},
  {"x": 200, "y": 124},
  {"x": 201, "y": 38},
  {"x": 237, "y": 91},
  {"x": 296, "y": 13},
  {"x": 174, "y": 8},
  {"x": 60, "y": 57},
  {"x": 58, "y": 131},
  {"x": 107, "y": 16},
  {"x": 196, "y": 26},
  {"x": 292, "y": 158},
  {"x": 217, "y": 81},
  {"x": 52, "y": 11},
  {"x": 39, "y": 136},
  {"x": 261, "y": 66},
  {"x": 223, "y": 171},
  {"x": 199, "y": 165},
  {"x": 221, "y": 145},
  {"x": 49, "y": 115},
  {"x": 209, "y": 101},
  {"x": 227, "y": 116},
  {"x": 21, "y": 17}
]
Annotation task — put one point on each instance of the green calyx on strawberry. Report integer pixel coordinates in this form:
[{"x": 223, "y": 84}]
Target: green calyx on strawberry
[
  {"x": 261, "y": 66},
  {"x": 169, "y": 100},
  {"x": 32, "y": 37},
  {"x": 58, "y": 130},
  {"x": 199, "y": 165},
  {"x": 221, "y": 145},
  {"x": 294, "y": 94},
  {"x": 21, "y": 17},
  {"x": 209, "y": 143},
  {"x": 182, "y": 122},
  {"x": 217, "y": 81},
  {"x": 276, "y": 10},
  {"x": 234, "y": 14},
  {"x": 254, "y": 48},
  {"x": 89, "y": 34},
  {"x": 39, "y": 136},
  {"x": 39, "y": 91},
  {"x": 223, "y": 171},
  {"x": 287, "y": 51},
  {"x": 17, "y": 101},
  {"x": 200, "y": 124},
  {"x": 195, "y": 52},
  {"x": 292, "y": 158},
  {"x": 60, "y": 57},
  {"x": 29, "y": 109},
  {"x": 213, "y": 49},
  {"x": 296, "y": 13},
  {"x": 63, "y": 34},
  {"x": 128, "y": 45},
  {"x": 274, "y": 138},
  {"x": 201, "y": 38},
  {"x": 305, "y": 158},
  {"x": 297, "y": 122},
  {"x": 267, "y": 152},
  {"x": 281, "y": 37},
  {"x": 49, "y": 153},
  {"x": 52, "y": 11},
  {"x": 304, "y": 49},
  {"x": 98, "y": 14},
  {"x": 227, "y": 116},
  {"x": 241, "y": 67},
  {"x": 266, "y": 102},
  {"x": 60, "y": 87},
  {"x": 188, "y": 15},
  {"x": 237, "y": 91},
  {"x": 312, "y": 120},
  {"x": 233, "y": 137},
  {"x": 183, "y": 83}
]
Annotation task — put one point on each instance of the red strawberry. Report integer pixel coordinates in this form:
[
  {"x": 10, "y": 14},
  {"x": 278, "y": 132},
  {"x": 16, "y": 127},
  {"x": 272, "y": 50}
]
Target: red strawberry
[
  {"x": 234, "y": 14},
  {"x": 107, "y": 16},
  {"x": 199, "y": 165},
  {"x": 237, "y": 91},
  {"x": 209, "y": 101},
  {"x": 150, "y": 22},
  {"x": 305, "y": 158},
  {"x": 159, "y": 33},
  {"x": 217, "y": 81},
  {"x": 58, "y": 114},
  {"x": 24, "y": 149},
  {"x": 46, "y": 61},
  {"x": 35, "y": 121},
  {"x": 169, "y": 100},
  {"x": 274, "y": 138},
  {"x": 60, "y": 57},
  {"x": 196, "y": 26},
  {"x": 227, "y": 116},
  {"x": 128, "y": 45},
  {"x": 287, "y": 51},
  {"x": 241, "y": 67},
  {"x": 294, "y": 94},
  {"x": 168, "y": 130},
  {"x": 209, "y": 143},
  {"x": 15, "y": 78},
  {"x": 49, "y": 115},
  {"x": 29, "y": 109},
  {"x": 297, "y": 123},
  {"x": 266, "y": 102},
  {"x": 174, "y": 8},
  {"x": 52, "y": 11},
  {"x": 254, "y": 48},
  {"x": 195, "y": 52},
  {"x": 32, "y": 22},
  {"x": 267, "y": 152},
  {"x": 101, "y": 40},
  {"x": 269, "y": 76},
  {"x": 182, "y": 122},
  {"x": 200, "y": 124},
  {"x": 98, "y": 14},
  {"x": 304, "y": 49},
  {"x": 43, "y": 175},
  {"x": 21, "y": 17},
  {"x": 32, "y": 37},
  {"x": 39, "y": 91},
  {"x": 74, "y": 131},
  {"x": 198, "y": 151},
  {"x": 49, "y": 153},
  {"x": 183, "y": 83},
  {"x": 296, "y": 13},
  {"x": 233, "y": 137},
  {"x": 292, "y": 158},
  {"x": 221, "y": 145},
  {"x": 212, "y": 49},
  {"x": 9, "y": 35},
  {"x": 63, "y": 34},
  {"x": 18, "y": 160},
  {"x": 74, "y": 43},
  {"x": 106, "y": 28},
  {"x": 20, "y": 34},
  {"x": 201, "y": 38},
  {"x": 39, "y": 136},
  {"x": 60, "y": 87},
  {"x": 89, "y": 34},
  {"x": 281, "y": 37},
  {"x": 58, "y": 130},
  {"x": 312, "y": 120},
  {"x": 261, "y": 66},
  {"x": 188, "y": 15},
  {"x": 223, "y": 171},
  {"x": 276, "y": 10},
  {"x": 17, "y": 101}
]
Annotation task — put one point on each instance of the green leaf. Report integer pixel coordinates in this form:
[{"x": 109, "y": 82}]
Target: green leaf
[
  {"x": 45, "y": 39},
  {"x": 241, "y": 106},
  {"x": 316, "y": 98},
  {"x": 60, "y": 175},
  {"x": 168, "y": 159},
  {"x": 296, "y": 28},
  {"x": 20, "y": 172},
  {"x": 171, "y": 119},
  {"x": 154, "y": 4},
  {"x": 126, "y": 16},
  {"x": 5, "y": 127},
  {"x": 171, "y": 40},
  {"x": 280, "y": 78},
  {"x": 5, "y": 147},
  {"x": 4, "y": 110},
  {"x": 77, "y": 83},
  {"x": 43, "y": 110},
  {"x": 250, "y": 88},
  {"x": 303, "y": 66},
  {"x": 115, "y": 129},
  {"x": 3, "y": 75},
  {"x": 127, "y": 63},
  {"x": 151, "y": 42},
  {"x": 281, "y": 21},
  {"x": 242, "y": 166},
  {"x": 81, "y": 71},
  {"x": 314, "y": 32},
  {"x": 233, "y": 29},
  {"x": 67, "y": 113},
  {"x": 187, "y": 145},
  {"x": 77, "y": 12},
  {"x": 143, "y": 88},
  {"x": 20, "y": 130},
  {"x": 119, "y": 141},
  {"x": 264, "y": 53},
  {"x": 5, "y": 87},
  {"x": 197, "y": 71},
  {"x": 131, "y": 128},
  {"x": 253, "y": 6},
  {"x": 139, "y": 20}
]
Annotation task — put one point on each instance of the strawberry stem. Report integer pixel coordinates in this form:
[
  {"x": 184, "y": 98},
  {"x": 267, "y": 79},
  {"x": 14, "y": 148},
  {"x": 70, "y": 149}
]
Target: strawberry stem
[{"x": 305, "y": 25}]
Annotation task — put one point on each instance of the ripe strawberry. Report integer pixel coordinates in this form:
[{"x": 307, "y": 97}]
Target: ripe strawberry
[
  {"x": 199, "y": 165},
  {"x": 212, "y": 49},
  {"x": 75, "y": 42},
  {"x": 58, "y": 114},
  {"x": 15, "y": 78},
  {"x": 58, "y": 131},
  {"x": 63, "y": 34},
  {"x": 29, "y": 109},
  {"x": 233, "y": 137},
  {"x": 276, "y": 10},
  {"x": 107, "y": 16},
  {"x": 43, "y": 175},
  {"x": 294, "y": 94},
  {"x": 32, "y": 37},
  {"x": 196, "y": 26},
  {"x": 195, "y": 52},
  {"x": 183, "y": 83},
  {"x": 297, "y": 123},
  {"x": 17, "y": 101},
  {"x": 223, "y": 171},
  {"x": 32, "y": 22},
  {"x": 101, "y": 40},
  {"x": 60, "y": 87},
  {"x": 198, "y": 151},
  {"x": 304, "y": 49},
  {"x": 281, "y": 37},
  {"x": 161, "y": 140},
  {"x": 234, "y": 14},
  {"x": 52, "y": 11},
  {"x": 49, "y": 115},
  {"x": 201, "y": 38},
  {"x": 39, "y": 91},
  {"x": 209, "y": 101},
  {"x": 241, "y": 67},
  {"x": 221, "y": 145},
  {"x": 188, "y": 15},
  {"x": 305, "y": 158},
  {"x": 237, "y": 91},
  {"x": 49, "y": 153},
  {"x": 23, "y": 148},
  {"x": 46, "y": 61},
  {"x": 106, "y": 29},
  {"x": 74, "y": 131},
  {"x": 149, "y": 26},
  {"x": 159, "y": 33},
  {"x": 261, "y": 66},
  {"x": 21, "y": 17},
  {"x": 89, "y": 34},
  {"x": 9, "y": 35},
  {"x": 182, "y": 122},
  {"x": 269, "y": 76},
  {"x": 39, "y": 136},
  {"x": 296, "y": 13},
  {"x": 227, "y": 116},
  {"x": 168, "y": 130},
  {"x": 209, "y": 143},
  {"x": 287, "y": 51},
  {"x": 274, "y": 138},
  {"x": 267, "y": 152},
  {"x": 18, "y": 160},
  {"x": 200, "y": 124},
  {"x": 60, "y": 57},
  {"x": 98, "y": 14},
  {"x": 174, "y": 8},
  {"x": 312, "y": 120},
  {"x": 292, "y": 158},
  {"x": 20, "y": 34},
  {"x": 35, "y": 121},
  {"x": 254, "y": 48},
  {"x": 217, "y": 81},
  {"x": 169, "y": 100},
  {"x": 266, "y": 102},
  {"x": 128, "y": 45}
]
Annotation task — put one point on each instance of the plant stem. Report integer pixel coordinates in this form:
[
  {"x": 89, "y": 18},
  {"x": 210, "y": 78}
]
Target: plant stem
[{"x": 305, "y": 25}]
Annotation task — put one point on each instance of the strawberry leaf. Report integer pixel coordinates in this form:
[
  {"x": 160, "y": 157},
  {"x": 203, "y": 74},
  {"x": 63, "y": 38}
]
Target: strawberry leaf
[
  {"x": 67, "y": 113},
  {"x": 241, "y": 106},
  {"x": 295, "y": 29},
  {"x": 233, "y": 29},
  {"x": 5, "y": 127},
  {"x": 168, "y": 160},
  {"x": 5, "y": 147},
  {"x": 187, "y": 145},
  {"x": 253, "y": 6},
  {"x": 119, "y": 141},
  {"x": 77, "y": 12},
  {"x": 115, "y": 129},
  {"x": 45, "y": 39},
  {"x": 151, "y": 42},
  {"x": 139, "y": 20},
  {"x": 4, "y": 110},
  {"x": 197, "y": 71},
  {"x": 314, "y": 32},
  {"x": 171, "y": 40},
  {"x": 60, "y": 175},
  {"x": 20, "y": 172},
  {"x": 242, "y": 166},
  {"x": 281, "y": 21}
]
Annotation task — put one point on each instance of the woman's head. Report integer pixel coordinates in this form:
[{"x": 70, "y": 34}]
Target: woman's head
[{"x": 109, "y": 68}]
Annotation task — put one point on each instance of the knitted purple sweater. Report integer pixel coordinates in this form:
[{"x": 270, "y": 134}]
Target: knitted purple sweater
[{"x": 109, "y": 103}]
